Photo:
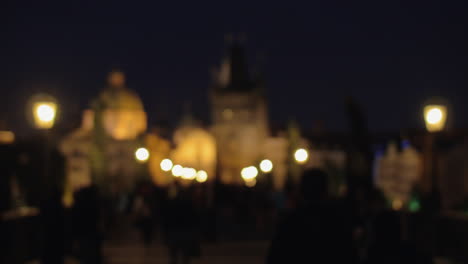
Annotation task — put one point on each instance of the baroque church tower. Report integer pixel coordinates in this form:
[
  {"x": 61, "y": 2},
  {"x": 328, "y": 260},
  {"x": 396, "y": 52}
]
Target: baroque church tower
[{"x": 239, "y": 115}]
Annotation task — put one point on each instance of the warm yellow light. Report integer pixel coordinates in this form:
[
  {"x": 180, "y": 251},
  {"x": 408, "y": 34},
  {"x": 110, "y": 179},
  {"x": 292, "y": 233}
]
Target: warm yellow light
[
  {"x": 202, "y": 176},
  {"x": 142, "y": 154},
  {"x": 251, "y": 183},
  {"x": 166, "y": 165},
  {"x": 435, "y": 116},
  {"x": 301, "y": 155},
  {"x": 397, "y": 204},
  {"x": 189, "y": 173},
  {"x": 249, "y": 173},
  {"x": 44, "y": 114},
  {"x": 266, "y": 165},
  {"x": 177, "y": 170},
  {"x": 7, "y": 137}
]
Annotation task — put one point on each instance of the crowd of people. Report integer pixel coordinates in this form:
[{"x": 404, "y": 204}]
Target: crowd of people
[{"x": 304, "y": 222}]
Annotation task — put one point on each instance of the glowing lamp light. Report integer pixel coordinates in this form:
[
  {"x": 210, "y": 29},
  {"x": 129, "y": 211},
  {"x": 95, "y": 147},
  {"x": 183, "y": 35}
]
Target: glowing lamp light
[
  {"x": 177, "y": 170},
  {"x": 142, "y": 155},
  {"x": 397, "y": 204},
  {"x": 7, "y": 137},
  {"x": 249, "y": 173},
  {"x": 435, "y": 117},
  {"x": 44, "y": 114},
  {"x": 189, "y": 173},
  {"x": 202, "y": 176},
  {"x": 301, "y": 156},
  {"x": 166, "y": 165},
  {"x": 266, "y": 165}
]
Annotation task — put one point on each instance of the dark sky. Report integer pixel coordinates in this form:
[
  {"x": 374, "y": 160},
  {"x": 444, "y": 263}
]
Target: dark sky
[{"x": 390, "y": 55}]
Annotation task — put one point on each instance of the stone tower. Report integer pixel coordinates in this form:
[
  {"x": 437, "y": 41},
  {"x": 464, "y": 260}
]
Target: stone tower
[{"x": 239, "y": 115}]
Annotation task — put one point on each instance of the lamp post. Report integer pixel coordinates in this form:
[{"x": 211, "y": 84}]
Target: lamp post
[
  {"x": 249, "y": 174},
  {"x": 44, "y": 113},
  {"x": 435, "y": 116}
]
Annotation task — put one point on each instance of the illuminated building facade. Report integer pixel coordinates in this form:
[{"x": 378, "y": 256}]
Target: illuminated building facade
[
  {"x": 239, "y": 116},
  {"x": 102, "y": 149}
]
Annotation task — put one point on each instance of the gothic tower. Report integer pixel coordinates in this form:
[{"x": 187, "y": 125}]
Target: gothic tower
[{"x": 239, "y": 115}]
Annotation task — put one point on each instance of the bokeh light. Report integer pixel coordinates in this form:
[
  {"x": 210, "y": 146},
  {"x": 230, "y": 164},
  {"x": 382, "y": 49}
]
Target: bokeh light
[
  {"x": 266, "y": 165},
  {"x": 202, "y": 176},
  {"x": 301, "y": 155},
  {"x": 189, "y": 173},
  {"x": 142, "y": 154},
  {"x": 44, "y": 114},
  {"x": 249, "y": 173},
  {"x": 166, "y": 165},
  {"x": 177, "y": 170}
]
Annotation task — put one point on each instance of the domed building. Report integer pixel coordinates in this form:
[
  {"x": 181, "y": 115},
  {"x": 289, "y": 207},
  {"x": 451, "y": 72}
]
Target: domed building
[
  {"x": 102, "y": 150},
  {"x": 123, "y": 115},
  {"x": 195, "y": 147}
]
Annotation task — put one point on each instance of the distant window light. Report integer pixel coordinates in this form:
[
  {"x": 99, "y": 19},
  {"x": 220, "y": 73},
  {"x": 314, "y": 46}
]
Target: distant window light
[
  {"x": 6, "y": 137},
  {"x": 228, "y": 114}
]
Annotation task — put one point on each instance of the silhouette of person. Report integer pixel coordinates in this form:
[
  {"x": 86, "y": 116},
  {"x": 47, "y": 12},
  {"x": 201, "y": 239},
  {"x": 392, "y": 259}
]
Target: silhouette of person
[
  {"x": 143, "y": 207},
  {"x": 86, "y": 225},
  {"x": 181, "y": 225},
  {"x": 53, "y": 223},
  {"x": 318, "y": 230}
]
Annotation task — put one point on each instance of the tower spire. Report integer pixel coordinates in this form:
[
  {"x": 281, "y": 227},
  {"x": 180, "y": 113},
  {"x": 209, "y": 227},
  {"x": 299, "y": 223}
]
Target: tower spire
[{"x": 233, "y": 74}]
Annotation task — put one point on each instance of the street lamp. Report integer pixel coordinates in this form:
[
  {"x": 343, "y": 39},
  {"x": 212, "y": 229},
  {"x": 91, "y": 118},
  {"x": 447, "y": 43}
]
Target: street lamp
[
  {"x": 301, "y": 156},
  {"x": 166, "y": 165},
  {"x": 44, "y": 113},
  {"x": 142, "y": 155},
  {"x": 435, "y": 116},
  {"x": 249, "y": 173},
  {"x": 202, "y": 176},
  {"x": 177, "y": 170},
  {"x": 266, "y": 166},
  {"x": 189, "y": 173}
]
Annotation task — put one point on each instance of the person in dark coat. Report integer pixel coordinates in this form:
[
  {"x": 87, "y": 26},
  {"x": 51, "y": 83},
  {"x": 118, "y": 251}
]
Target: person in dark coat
[
  {"x": 181, "y": 224},
  {"x": 318, "y": 231},
  {"x": 86, "y": 225}
]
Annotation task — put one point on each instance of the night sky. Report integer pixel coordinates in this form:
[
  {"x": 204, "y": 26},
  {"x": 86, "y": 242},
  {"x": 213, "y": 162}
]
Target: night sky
[{"x": 390, "y": 55}]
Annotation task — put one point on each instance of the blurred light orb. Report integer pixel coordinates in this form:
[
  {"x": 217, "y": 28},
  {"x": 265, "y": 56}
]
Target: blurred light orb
[
  {"x": 266, "y": 165},
  {"x": 301, "y": 155},
  {"x": 166, "y": 165},
  {"x": 44, "y": 114},
  {"x": 397, "y": 204},
  {"x": 189, "y": 173},
  {"x": 249, "y": 173},
  {"x": 435, "y": 117},
  {"x": 177, "y": 170},
  {"x": 142, "y": 154},
  {"x": 202, "y": 176}
]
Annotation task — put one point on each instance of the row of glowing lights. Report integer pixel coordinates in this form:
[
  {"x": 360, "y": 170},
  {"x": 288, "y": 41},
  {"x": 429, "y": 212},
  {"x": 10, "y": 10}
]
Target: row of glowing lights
[
  {"x": 142, "y": 155},
  {"x": 185, "y": 173},
  {"x": 248, "y": 173}
]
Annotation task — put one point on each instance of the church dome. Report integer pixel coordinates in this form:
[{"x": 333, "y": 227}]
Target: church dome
[
  {"x": 123, "y": 114},
  {"x": 117, "y": 97}
]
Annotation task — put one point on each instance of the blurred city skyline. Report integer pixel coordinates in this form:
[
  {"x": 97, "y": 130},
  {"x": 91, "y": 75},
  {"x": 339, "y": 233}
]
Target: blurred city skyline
[{"x": 390, "y": 56}]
